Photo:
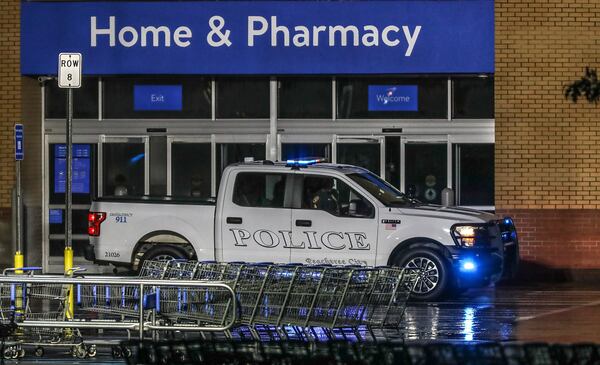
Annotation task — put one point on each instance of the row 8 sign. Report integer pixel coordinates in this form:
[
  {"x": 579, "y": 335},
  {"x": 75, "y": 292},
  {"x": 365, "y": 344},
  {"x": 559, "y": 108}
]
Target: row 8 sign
[
  {"x": 261, "y": 37},
  {"x": 69, "y": 70}
]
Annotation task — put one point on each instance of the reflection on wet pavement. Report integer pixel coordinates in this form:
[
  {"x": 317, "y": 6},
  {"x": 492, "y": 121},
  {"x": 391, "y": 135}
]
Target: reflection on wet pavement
[{"x": 552, "y": 314}]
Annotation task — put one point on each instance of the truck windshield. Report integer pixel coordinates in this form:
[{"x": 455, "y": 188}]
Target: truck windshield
[{"x": 380, "y": 189}]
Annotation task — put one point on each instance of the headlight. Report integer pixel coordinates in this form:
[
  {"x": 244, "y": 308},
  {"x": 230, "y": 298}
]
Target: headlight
[{"x": 465, "y": 235}]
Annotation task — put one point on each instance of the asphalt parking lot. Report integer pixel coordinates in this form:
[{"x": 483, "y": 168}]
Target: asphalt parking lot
[
  {"x": 542, "y": 313},
  {"x": 548, "y": 313}
]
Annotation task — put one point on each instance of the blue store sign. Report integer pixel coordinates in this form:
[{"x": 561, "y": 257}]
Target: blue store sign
[
  {"x": 393, "y": 98},
  {"x": 157, "y": 97},
  {"x": 261, "y": 37}
]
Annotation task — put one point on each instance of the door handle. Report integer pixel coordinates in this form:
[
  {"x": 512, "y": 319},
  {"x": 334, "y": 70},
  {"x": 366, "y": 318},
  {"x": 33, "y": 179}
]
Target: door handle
[
  {"x": 234, "y": 220},
  {"x": 303, "y": 223}
]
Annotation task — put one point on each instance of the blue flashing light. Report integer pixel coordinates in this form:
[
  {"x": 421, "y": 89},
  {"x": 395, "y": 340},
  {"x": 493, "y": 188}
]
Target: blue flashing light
[
  {"x": 304, "y": 161},
  {"x": 508, "y": 221},
  {"x": 468, "y": 265}
]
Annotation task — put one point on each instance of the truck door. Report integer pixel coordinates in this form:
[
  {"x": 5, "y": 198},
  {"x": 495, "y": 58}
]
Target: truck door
[
  {"x": 256, "y": 220},
  {"x": 332, "y": 223}
]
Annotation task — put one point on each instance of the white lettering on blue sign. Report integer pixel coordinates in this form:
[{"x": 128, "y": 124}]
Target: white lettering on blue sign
[
  {"x": 129, "y": 36},
  {"x": 333, "y": 35},
  {"x": 259, "y": 28}
]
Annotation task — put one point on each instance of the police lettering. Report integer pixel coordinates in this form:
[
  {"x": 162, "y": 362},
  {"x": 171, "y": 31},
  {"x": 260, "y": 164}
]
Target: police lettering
[{"x": 311, "y": 240}]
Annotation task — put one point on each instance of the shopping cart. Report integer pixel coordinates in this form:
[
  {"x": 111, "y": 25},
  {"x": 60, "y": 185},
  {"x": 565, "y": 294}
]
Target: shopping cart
[
  {"x": 180, "y": 269},
  {"x": 273, "y": 295},
  {"x": 248, "y": 288},
  {"x": 121, "y": 301},
  {"x": 194, "y": 306},
  {"x": 42, "y": 302},
  {"x": 385, "y": 303}
]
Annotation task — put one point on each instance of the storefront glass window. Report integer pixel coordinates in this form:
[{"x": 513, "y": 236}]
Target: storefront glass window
[
  {"x": 392, "y": 160},
  {"x": 408, "y": 97},
  {"x": 365, "y": 155},
  {"x": 123, "y": 169},
  {"x": 190, "y": 169},
  {"x": 291, "y": 151},
  {"x": 473, "y": 97},
  {"x": 229, "y": 153},
  {"x": 474, "y": 174},
  {"x": 157, "y": 97},
  {"x": 304, "y": 98},
  {"x": 85, "y": 99},
  {"x": 426, "y": 171},
  {"x": 242, "y": 98}
]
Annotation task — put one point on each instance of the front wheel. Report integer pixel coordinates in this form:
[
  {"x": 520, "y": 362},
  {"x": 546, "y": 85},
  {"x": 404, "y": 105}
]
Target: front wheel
[{"x": 430, "y": 273}]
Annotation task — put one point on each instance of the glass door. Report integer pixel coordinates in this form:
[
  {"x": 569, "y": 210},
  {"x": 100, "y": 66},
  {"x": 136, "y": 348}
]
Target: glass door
[
  {"x": 303, "y": 146},
  {"x": 367, "y": 152},
  {"x": 234, "y": 149},
  {"x": 189, "y": 167},
  {"x": 123, "y": 166},
  {"x": 425, "y": 169},
  {"x": 84, "y": 190}
]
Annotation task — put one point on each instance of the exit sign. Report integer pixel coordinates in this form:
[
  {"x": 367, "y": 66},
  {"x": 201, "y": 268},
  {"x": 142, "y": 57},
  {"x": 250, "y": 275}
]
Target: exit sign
[{"x": 69, "y": 70}]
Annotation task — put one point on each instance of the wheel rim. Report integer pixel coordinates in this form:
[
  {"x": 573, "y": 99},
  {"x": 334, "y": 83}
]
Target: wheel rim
[
  {"x": 427, "y": 274},
  {"x": 164, "y": 257}
]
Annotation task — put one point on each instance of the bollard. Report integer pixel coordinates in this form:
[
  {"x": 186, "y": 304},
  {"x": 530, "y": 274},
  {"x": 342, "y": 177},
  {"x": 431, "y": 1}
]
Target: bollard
[
  {"x": 18, "y": 289},
  {"x": 18, "y": 262},
  {"x": 69, "y": 305}
]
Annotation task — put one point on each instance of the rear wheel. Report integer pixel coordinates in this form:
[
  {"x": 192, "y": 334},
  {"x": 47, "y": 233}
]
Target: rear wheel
[
  {"x": 163, "y": 253},
  {"x": 430, "y": 270}
]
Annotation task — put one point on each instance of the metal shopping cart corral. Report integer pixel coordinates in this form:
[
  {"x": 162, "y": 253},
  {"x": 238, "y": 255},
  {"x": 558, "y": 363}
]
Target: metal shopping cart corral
[
  {"x": 25, "y": 319},
  {"x": 42, "y": 302}
]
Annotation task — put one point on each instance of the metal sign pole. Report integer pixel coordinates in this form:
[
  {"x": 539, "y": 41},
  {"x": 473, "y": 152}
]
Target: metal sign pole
[
  {"x": 68, "y": 195},
  {"x": 19, "y": 154},
  {"x": 69, "y": 77},
  {"x": 19, "y": 212}
]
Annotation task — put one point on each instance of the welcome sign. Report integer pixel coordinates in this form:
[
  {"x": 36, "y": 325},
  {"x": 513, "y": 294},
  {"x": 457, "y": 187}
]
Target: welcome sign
[
  {"x": 393, "y": 98},
  {"x": 261, "y": 37}
]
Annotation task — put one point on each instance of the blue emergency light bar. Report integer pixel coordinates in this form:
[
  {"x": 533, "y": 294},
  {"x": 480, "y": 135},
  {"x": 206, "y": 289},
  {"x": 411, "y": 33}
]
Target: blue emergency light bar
[{"x": 304, "y": 161}]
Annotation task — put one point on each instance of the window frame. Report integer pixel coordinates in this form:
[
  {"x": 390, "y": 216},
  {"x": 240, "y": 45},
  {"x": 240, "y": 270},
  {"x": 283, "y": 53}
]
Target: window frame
[
  {"x": 299, "y": 190},
  {"x": 287, "y": 194}
]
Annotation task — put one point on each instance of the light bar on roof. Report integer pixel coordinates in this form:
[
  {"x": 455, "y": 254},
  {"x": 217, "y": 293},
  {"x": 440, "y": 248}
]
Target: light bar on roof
[{"x": 304, "y": 161}]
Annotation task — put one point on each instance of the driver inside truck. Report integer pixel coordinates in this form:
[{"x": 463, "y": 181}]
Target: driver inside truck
[{"x": 326, "y": 198}]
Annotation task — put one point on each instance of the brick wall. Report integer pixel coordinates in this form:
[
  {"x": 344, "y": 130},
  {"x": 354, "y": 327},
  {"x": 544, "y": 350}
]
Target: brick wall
[
  {"x": 547, "y": 148},
  {"x": 10, "y": 95}
]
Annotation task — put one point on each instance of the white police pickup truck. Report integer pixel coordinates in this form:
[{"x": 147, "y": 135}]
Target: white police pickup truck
[{"x": 316, "y": 214}]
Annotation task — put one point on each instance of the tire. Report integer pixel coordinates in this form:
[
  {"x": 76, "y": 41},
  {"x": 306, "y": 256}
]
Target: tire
[
  {"x": 432, "y": 284},
  {"x": 163, "y": 252}
]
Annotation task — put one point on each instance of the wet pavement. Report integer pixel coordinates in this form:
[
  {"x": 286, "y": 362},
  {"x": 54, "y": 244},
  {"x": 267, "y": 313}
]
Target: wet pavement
[{"x": 548, "y": 313}]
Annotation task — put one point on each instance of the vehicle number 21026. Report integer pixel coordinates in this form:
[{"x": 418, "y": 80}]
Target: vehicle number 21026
[
  {"x": 111, "y": 254},
  {"x": 121, "y": 219}
]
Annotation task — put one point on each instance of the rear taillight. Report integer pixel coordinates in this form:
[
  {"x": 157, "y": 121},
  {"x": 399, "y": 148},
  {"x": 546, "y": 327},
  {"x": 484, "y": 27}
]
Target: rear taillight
[{"x": 94, "y": 221}]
